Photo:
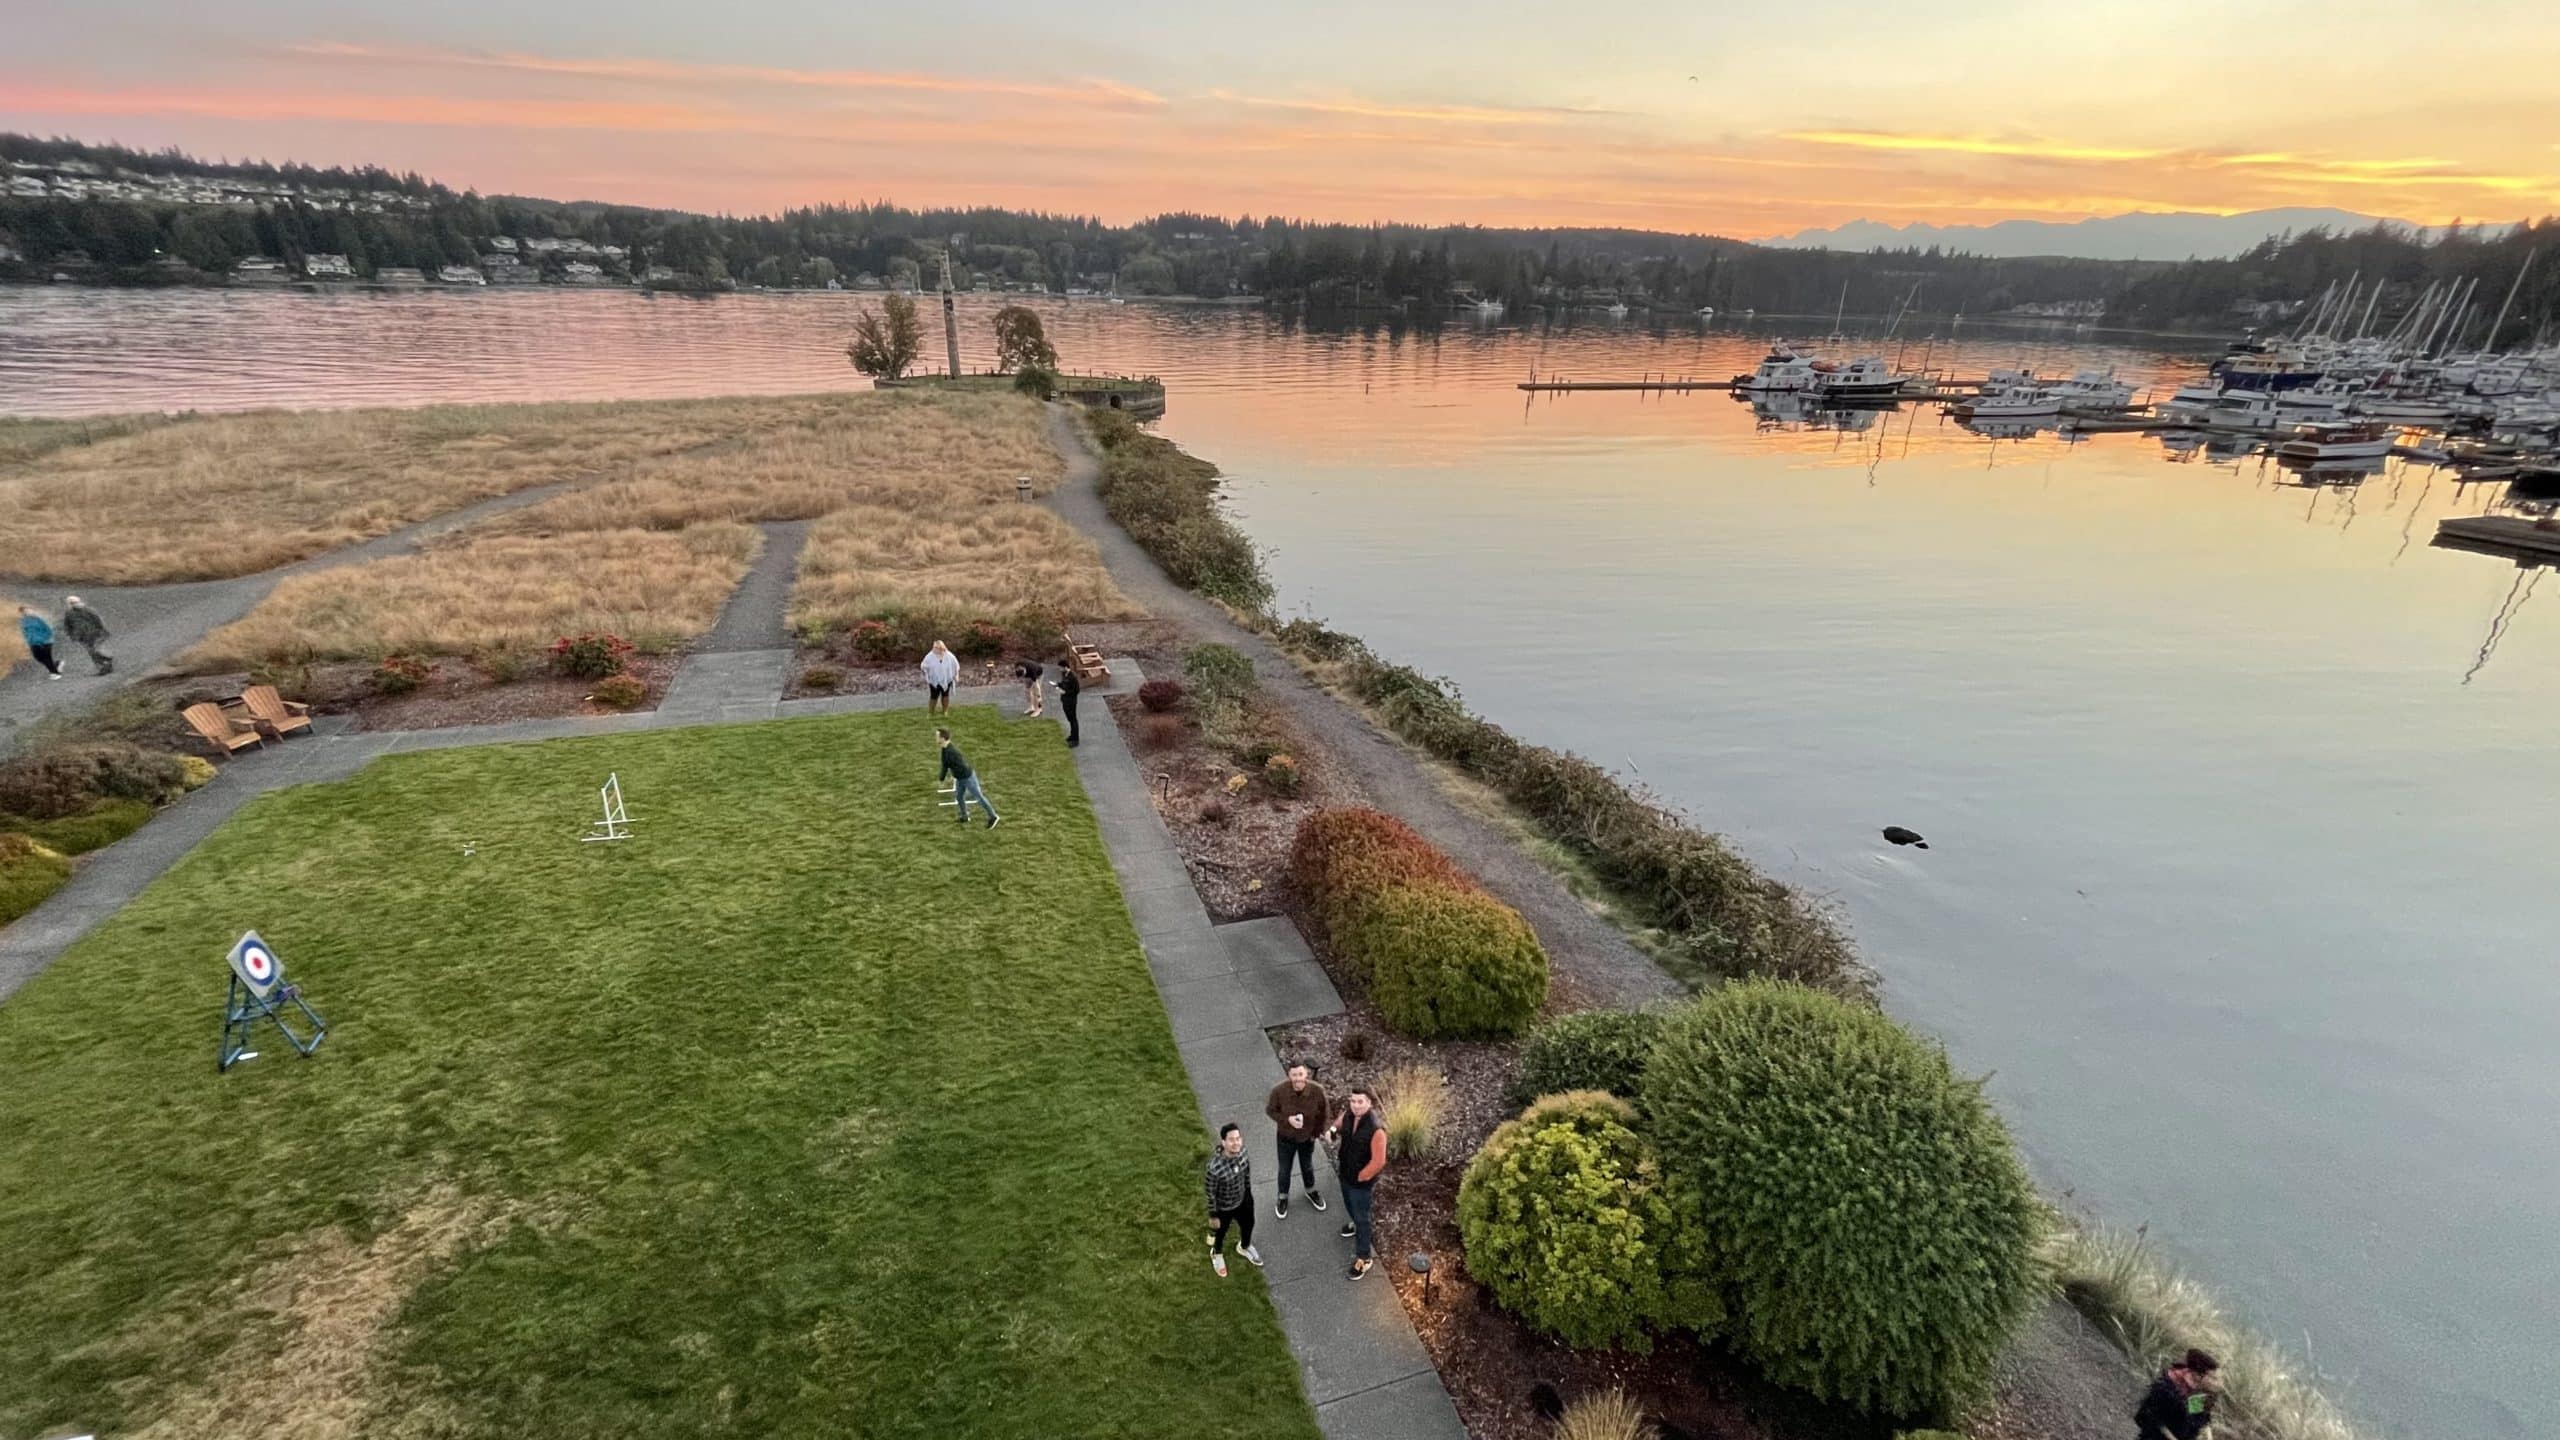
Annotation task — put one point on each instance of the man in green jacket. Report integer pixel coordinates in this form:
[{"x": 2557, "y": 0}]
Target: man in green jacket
[
  {"x": 964, "y": 781},
  {"x": 88, "y": 630}
]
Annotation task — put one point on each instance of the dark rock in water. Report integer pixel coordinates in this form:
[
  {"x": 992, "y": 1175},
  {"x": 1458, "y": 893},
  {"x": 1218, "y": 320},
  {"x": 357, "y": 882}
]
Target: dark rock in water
[
  {"x": 1546, "y": 1400},
  {"x": 1900, "y": 836}
]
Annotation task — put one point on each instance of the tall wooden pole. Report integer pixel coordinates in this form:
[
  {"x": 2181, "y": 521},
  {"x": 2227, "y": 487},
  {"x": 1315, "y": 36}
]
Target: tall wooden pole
[{"x": 950, "y": 317}]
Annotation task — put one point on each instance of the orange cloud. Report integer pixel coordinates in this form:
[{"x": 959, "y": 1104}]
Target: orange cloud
[
  {"x": 532, "y": 114},
  {"x": 1954, "y": 145},
  {"x": 1105, "y": 92},
  {"x": 1379, "y": 110}
]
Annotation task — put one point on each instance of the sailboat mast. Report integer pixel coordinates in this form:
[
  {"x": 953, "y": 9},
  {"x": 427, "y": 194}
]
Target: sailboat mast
[{"x": 2509, "y": 303}]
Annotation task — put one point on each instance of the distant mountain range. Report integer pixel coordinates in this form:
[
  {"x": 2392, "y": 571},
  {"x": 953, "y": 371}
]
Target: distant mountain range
[{"x": 2164, "y": 235}]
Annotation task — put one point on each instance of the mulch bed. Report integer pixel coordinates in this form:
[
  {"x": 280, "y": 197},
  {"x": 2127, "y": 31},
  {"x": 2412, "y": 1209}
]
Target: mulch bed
[
  {"x": 1234, "y": 838},
  {"x": 456, "y": 695}
]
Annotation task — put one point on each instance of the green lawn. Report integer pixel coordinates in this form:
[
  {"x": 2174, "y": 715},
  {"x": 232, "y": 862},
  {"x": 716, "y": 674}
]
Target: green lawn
[{"x": 802, "y": 1113}]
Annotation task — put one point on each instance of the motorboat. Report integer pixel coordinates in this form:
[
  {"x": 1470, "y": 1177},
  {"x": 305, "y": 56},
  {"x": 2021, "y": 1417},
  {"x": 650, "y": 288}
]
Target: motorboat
[
  {"x": 1865, "y": 378},
  {"x": 2248, "y": 410},
  {"x": 2325, "y": 441},
  {"x": 2328, "y": 393},
  {"x": 2011, "y": 402},
  {"x": 1706, "y": 312},
  {"x": 2273, "y": 369},
  {"x": 2191, "y": 402},
  {"x": 1779, "y": 372},
  {"x": 2092, "y": 392},
  {"x": 1489, "y": 308},
  {"x": 1617, "y": 309}
]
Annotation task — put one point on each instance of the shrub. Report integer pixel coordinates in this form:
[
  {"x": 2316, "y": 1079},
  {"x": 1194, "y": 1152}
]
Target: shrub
[
  {"x": 1159, "y": 733},
  {"x": 1868, "y": 1224},
  {"x": 1357, "y": 1046},
  {"x": 67, "y": 779},
  {"x": 1604, "y": 1415},
  {"x": 1218, "y": 674},
  {"x": 1041, "y": 627},
  {"x": 1036, "y": 382},
  {"x": 1281, "y": 772},
  {"x": 28, "y": 873},
  {"x": 620, "y": 692},
  {"x": 1214, "y": 813},
  {"x": 1444, "y": 961},
  {"x": 981, "y": 640},
  {"x": 1167, "y": 501},
  {"x": 1342, "y": 855},
  {"x": 1568, "y": 1222},
  {"x": 400, "y": 674},
  {"x": 1160, "y": 696},
  {"x": 195, "y": 772},
  {"x": 875, "y": 640},
  {"x": 1601, "y": 1050},
  {"x": 1413, "y": 1102},
  {"x": 591, "y": 656},
  {"x": 101, "y": 824},
  {"x": 825, "y": 679},
  {"x": 500, "y": 667}
]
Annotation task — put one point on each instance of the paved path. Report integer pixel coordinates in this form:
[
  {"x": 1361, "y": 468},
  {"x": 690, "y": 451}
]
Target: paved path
[
  {"x": 1593, "y": 959},
  {"x": 153, "y": 624}
]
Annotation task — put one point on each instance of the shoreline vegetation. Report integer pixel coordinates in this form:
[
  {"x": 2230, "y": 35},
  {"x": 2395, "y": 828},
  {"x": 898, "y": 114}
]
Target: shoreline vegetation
[{"x": 1685, "y": 896}]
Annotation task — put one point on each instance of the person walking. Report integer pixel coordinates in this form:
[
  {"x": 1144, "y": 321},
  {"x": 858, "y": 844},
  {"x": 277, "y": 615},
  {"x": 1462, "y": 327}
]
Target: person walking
[
  {"x": 941, "y": 672},
  {"x": 2179, "y": 1404},
  {"x": 1069, "y": 687},
  {"x": 1029, "y": 673},
  {"x": 1299, "y": 1111},
  {"x": 964, "y": 781},
  {"x": 38, "y": 633},
  {"x": 88, "y": 630},
  {"x": 1229, "y": 1181},
  {"x": 1362, "y": 1157}
]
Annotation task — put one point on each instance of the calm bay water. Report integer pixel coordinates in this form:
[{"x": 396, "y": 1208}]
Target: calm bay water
[{"x": 2235, "y": 788}]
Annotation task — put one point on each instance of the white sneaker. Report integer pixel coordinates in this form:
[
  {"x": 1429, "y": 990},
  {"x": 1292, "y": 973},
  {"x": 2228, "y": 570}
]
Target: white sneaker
[
  {"x": 1253, "y": 1255},
  {"x": 1218, "y": 1263}
]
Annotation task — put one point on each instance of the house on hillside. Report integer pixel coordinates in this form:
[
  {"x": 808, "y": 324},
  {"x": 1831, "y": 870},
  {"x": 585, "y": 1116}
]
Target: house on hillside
[
  {"x": 399, "y": 275},
  {"x": 461, "y": 275},
  {"x": 580, "y": 272},
  {"x": 260, "y": 270},
  {"x": 503, "y": 244},
  {"x": 328, "y": 267}
]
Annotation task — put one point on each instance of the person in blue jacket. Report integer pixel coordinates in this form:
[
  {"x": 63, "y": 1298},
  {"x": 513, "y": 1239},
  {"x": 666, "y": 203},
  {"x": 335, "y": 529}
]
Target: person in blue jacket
[{"x": 38, "y": 633}]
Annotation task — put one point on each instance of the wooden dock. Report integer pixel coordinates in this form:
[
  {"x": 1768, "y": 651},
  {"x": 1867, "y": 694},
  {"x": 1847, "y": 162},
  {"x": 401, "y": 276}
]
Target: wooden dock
[
  {"x": 2526, "y": 541},
  {"x": 1660, "y": 383}
]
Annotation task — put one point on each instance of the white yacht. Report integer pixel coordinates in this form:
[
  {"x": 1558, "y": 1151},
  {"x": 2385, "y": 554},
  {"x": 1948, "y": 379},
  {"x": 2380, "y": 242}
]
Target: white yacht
[
  {"x": 1865, "y": 378},
  {"x": 1617, "y": 309},
  {"x": 1782, "y": 371},
  {"x": 2015, "y": 401},
  {"x": 2094, "y": 392},
  {"x": 2250, "y": 410},
  {"x": 2326, "y": 440}
]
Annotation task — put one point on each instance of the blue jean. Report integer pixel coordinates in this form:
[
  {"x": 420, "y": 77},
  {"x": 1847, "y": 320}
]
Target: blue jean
[
  {"x": 1355, "y": 1198},
  {"x": 966, "y": 790}
]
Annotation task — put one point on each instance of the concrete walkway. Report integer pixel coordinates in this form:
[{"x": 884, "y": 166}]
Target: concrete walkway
[
  {"x": 1593, "y": 961},
  {"x": 150, "y": 625}
]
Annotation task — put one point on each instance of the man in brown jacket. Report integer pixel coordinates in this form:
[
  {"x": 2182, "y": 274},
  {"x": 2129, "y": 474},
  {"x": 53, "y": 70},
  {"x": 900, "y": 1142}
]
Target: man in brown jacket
[{"x": 1300, "y": 1112}]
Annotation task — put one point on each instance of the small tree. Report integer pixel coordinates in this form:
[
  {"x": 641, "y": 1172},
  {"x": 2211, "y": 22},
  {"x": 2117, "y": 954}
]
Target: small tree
[
  {"x": 886, "y": 341},
  {"x": 1020, "y": 342}
]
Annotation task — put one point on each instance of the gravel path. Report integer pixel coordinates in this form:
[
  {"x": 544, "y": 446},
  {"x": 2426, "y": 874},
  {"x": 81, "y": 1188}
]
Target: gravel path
[
  {"x": 752, "y": 620},
  {"x": 1593, "y": 961}
]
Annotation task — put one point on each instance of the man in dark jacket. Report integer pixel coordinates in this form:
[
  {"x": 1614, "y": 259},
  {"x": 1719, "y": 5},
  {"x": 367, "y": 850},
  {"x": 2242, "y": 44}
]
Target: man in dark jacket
[
  {"x": 964, "y": 781},
  {"x": 88, "y": 630},
  {"x": 2179, "y": 1405},
  {"x": 1068, "y": 688},
  {"x": 1363, "y": 1156},
  {"x": 1299, "y": 1111}
]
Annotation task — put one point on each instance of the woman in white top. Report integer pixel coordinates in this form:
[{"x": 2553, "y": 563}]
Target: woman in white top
[{"x": 941, "y": 672}]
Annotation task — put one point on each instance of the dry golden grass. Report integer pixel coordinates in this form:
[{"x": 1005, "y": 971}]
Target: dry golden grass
[
  {"x": 209, "y": 496},
  {"x": 494, "y": 593},
  {"x": 904, "y": 449},
  {"x": 958, "y": 561}
]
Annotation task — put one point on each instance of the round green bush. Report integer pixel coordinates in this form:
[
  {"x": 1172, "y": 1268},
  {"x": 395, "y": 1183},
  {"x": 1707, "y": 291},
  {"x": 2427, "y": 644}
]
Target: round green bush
[
  {"x": 1566, "y": 1219},
  {"x": 1445, "y": 962},
  {"x": 1594, "y": 1050},
  {"x": 1218, "y": 673},
  {"x": 1868, "y": 1223},
  {"x": 67, "y": 779}
]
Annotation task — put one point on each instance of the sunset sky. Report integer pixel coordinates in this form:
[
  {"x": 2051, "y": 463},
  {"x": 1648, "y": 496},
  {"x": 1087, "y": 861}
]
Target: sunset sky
[{"x": 1734, "y": 120}]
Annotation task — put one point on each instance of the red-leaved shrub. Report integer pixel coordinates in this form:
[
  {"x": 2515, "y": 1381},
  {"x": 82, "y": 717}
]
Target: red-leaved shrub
[
  {"x": 1160, "y": 696},
  {"x": 1343, "y": 855}
]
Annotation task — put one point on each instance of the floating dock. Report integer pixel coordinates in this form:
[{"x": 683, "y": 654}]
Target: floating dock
[
  {"x": 1662, "y": 383},
  {"x": 2527, "y": 541}
]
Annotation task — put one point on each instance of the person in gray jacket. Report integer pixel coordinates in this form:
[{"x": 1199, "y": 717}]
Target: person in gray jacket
[{"x": 88, "y": 630}]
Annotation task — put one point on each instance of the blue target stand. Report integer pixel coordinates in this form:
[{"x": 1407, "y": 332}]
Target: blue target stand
[{"x": 259, "y": 992}]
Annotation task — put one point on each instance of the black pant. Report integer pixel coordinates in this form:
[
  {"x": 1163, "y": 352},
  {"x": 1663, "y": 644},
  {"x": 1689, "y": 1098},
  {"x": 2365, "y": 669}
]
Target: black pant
[
  {"x": 1068, "y": 703},
  {"x": 44, "y": 657},
  {"x": 1241, "y": 1218},
  {"x": 1304, "y": 1152},
  {"x": 98, "y": 655}
]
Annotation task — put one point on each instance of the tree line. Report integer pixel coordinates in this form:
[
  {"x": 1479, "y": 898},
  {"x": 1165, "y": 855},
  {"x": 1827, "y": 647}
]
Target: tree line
[{"x": 1285, "y": 261}]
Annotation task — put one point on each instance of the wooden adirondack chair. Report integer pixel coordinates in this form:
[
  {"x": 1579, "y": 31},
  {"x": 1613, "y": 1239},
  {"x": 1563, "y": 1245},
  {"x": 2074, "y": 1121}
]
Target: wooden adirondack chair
[
  {"x": 270, "y": 712},
  {"x": 220, "y": 729},
  {"x": 1087, "y": 660}
]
